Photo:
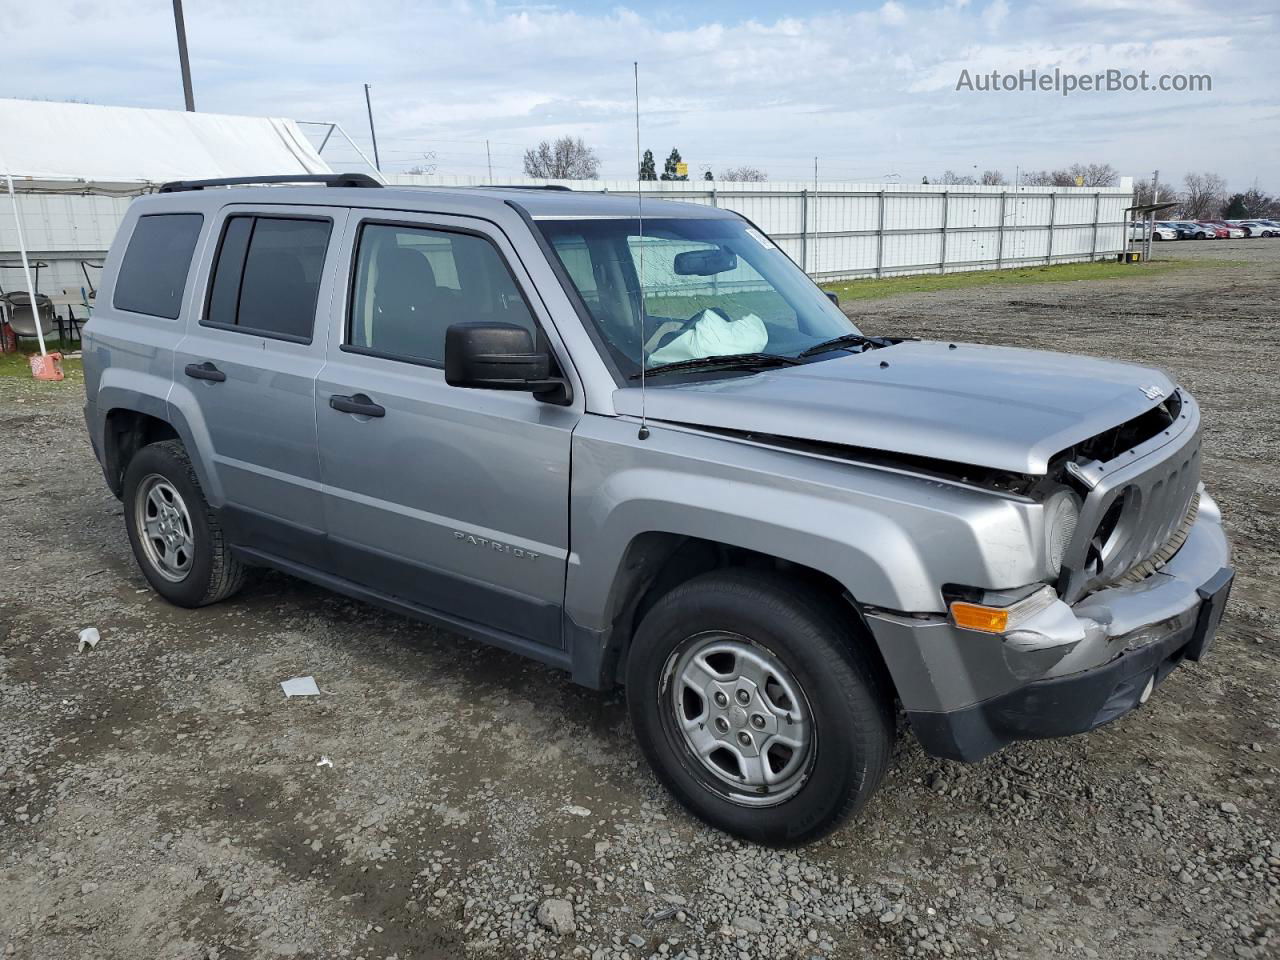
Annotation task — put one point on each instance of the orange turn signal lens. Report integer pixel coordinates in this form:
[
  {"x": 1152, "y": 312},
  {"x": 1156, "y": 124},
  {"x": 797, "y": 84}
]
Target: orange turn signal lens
[{"x": 974, "y": 616}]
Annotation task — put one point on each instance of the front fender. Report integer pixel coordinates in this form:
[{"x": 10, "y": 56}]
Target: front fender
[{"x": 890, "y": 539}]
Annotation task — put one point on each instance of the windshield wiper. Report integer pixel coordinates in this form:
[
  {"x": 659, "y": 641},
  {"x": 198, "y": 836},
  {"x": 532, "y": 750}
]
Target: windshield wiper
[
  {"x": 846, "y": 340},
  {"x": 744, "y": 361}
]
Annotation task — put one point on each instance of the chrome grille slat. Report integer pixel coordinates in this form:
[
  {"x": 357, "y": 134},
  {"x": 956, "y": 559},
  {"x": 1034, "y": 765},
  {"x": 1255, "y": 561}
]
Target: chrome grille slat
[{"x": 1158, "y": 482}]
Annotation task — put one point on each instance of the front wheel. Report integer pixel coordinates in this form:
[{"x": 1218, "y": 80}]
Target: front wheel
[{"x": 757, "y": 705}]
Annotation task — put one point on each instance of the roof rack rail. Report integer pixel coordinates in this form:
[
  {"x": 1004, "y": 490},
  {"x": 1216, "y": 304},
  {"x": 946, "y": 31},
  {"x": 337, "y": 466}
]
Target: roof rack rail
[
  {"x": 328, "y": 179},
  {"x": 523, "y": 186}
]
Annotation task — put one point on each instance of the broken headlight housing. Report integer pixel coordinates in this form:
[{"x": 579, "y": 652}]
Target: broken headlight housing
[{"x": 1061, "y": 514}]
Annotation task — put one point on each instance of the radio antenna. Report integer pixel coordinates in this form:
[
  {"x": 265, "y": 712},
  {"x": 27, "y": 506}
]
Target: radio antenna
[{"x": 644, "y": 423}]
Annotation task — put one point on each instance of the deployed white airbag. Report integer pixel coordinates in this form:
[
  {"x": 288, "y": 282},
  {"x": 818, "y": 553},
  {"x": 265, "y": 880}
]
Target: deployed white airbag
[{"x": 713, "y": 335}]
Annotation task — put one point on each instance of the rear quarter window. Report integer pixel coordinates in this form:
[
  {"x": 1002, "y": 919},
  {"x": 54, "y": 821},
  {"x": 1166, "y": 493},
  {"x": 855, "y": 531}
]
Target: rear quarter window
[
  {"x": 266, "y": 280},
  {"x": 153, "y": 273}
]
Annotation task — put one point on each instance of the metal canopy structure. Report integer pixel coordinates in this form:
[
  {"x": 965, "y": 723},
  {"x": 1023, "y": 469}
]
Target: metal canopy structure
[{"x": 1145, "y": 213}]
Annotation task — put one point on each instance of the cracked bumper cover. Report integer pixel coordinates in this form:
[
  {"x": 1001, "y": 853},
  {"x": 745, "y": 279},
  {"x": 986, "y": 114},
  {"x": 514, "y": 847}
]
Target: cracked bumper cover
[{"x": 1068, "y": 669}]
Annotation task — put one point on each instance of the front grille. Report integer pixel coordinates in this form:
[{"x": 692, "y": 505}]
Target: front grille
[
  {"x": 1138, "y": 515},
  {"x": 1166, "y": 553}
]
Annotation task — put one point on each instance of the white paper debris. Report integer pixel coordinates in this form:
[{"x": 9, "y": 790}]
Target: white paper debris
[
  {"x": 300, "y": 687},
  {"x": 89, "y": 637},
  {"x": 324, "y": 762}
]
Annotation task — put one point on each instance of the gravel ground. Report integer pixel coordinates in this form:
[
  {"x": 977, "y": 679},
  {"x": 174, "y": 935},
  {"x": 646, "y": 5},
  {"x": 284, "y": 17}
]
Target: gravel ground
[{"x": 159, "y": 797}]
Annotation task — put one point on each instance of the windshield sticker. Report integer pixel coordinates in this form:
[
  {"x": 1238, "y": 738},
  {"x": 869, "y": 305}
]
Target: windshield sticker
[{"x": 760, "y": 238}]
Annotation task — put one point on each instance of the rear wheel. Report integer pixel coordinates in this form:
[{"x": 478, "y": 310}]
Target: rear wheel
[
  {"x": 758, "y": 707},
  {"x": 176, "y": 537}
]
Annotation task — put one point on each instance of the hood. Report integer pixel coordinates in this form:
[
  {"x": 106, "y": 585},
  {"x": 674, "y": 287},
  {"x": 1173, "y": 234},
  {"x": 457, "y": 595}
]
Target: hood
[{"x": 1004, "y": 408}]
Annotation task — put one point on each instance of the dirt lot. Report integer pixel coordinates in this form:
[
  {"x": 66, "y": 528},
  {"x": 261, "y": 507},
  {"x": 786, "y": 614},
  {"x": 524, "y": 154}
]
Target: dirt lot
[{"x": 160, "y": 798}]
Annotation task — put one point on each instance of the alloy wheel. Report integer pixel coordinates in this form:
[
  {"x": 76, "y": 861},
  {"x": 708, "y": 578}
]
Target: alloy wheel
[
  {"x": 741, "y": 716},
  {"x": 164, "y": 528}
]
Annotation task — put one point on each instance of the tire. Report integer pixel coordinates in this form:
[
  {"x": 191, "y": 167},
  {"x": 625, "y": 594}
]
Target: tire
[
  {"x": 821, "y": 690},
  {"x": 186, "y": 560}
]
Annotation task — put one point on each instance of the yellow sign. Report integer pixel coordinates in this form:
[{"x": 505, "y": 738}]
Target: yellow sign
[
  {"x": 1079, "y": 181},
  {"x": 682, "y": 169}
]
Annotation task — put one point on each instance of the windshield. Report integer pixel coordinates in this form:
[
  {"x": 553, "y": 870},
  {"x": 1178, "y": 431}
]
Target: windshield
[{"x": 687, "y": 289}]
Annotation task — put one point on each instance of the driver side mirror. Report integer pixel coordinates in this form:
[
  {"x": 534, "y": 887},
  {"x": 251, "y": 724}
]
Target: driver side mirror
[{"x": 500, "y": 356}]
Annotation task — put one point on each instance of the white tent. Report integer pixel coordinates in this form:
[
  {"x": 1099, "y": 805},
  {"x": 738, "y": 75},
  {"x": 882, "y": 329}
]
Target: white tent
[
  {"x": 68, "y": 145},
  {"x": 83, "y": 148}
]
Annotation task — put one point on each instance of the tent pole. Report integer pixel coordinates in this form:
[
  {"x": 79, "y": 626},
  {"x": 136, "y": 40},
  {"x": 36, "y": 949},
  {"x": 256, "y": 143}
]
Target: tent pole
[
  {"x": 26, "y": 266},
  {"x": 363, "y": 156}
]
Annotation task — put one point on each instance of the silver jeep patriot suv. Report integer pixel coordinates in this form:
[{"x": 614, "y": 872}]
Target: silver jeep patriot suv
[{"x": 643, "y": 447}]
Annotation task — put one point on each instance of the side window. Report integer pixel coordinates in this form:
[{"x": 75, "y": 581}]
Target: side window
[
  {"x": 154, "y": 271},
  {"x": 266, "y": 279},
  {"x": 411, "y": 283}
]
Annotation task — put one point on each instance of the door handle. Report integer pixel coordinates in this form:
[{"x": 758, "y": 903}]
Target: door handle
[
  {"x": 205, "y": 371},
  {"x": 359, "y": 404}
]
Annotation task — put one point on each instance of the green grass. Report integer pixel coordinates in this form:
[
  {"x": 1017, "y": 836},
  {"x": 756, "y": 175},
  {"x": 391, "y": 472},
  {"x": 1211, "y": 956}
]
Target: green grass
[
  {"x": 17, "y": 364},
  {"x": 1065, "y": 272}
]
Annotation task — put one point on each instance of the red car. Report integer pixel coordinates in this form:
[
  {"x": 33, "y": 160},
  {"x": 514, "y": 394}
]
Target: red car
[{"x": 1224, "y": 230}]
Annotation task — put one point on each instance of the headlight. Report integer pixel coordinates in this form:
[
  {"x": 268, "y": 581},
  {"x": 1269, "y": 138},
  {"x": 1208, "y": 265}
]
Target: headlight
[{"x": 1061, "y": 512}]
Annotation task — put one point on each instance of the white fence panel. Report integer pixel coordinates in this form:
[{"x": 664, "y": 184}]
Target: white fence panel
[{"x": 833, "y": 230}]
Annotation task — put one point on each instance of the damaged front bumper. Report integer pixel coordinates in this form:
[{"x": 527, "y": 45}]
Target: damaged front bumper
[{"x": 1065, "y": 670}]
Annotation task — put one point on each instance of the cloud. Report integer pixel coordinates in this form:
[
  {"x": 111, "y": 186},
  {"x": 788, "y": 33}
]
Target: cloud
[
  {"x": 993, "y": 16},
  {"x": 893, "y": 13},
  {"x": 869, "y": 91}
]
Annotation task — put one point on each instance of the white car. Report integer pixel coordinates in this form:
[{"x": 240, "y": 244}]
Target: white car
[
  {"x": 1256, "y": 228},
  {"x": 1164, "y": 231}
]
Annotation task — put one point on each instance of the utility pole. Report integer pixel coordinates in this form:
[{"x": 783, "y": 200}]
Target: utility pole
[
  {"x": 368, "y": 105},
  {"x": 1155, "y": 187},
  {"x": 489, "y": 157},
  {"x": 815, "y": 174},
  {"x": 183, "y": 62}
]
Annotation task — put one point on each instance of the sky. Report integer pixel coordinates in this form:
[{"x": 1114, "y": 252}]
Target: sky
[{"x": 869, "y": 89}]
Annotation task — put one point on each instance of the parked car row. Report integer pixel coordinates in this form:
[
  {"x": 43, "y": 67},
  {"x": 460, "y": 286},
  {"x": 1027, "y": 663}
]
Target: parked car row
[{"x": 1206, "y": 229}]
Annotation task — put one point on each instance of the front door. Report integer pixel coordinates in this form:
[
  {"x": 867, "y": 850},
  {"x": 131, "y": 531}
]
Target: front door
[
  {"x": 455, "y": 500},
  {"x": 245, "y": 373}
]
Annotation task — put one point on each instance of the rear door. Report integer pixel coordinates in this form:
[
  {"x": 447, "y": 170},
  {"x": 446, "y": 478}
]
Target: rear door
[
  {"x": 451, "y": 499},
  {"x": 246, "y": 372}
]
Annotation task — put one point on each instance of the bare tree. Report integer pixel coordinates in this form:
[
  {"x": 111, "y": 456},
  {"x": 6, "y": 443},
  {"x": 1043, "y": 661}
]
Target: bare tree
[
  {"x": 1204, "y": 196},
  {"x": 1143, "y": 193},
  {"x": 1076, "y": 175},
  {"x": 744, "y": 175},
  {"x": 993, "y": 178},
  {"x": 565, "y": 159},
  {"x": 958, "y": 179},
  {"x": 1093, "y": 174}
]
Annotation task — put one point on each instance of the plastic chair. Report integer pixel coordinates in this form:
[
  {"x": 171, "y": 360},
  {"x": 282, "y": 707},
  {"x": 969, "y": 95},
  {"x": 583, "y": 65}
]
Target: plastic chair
[{"x": 21, "y": 318}]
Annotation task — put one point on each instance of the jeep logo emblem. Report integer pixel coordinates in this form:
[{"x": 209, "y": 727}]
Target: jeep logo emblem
[{"x": 1152, "y": 392}]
